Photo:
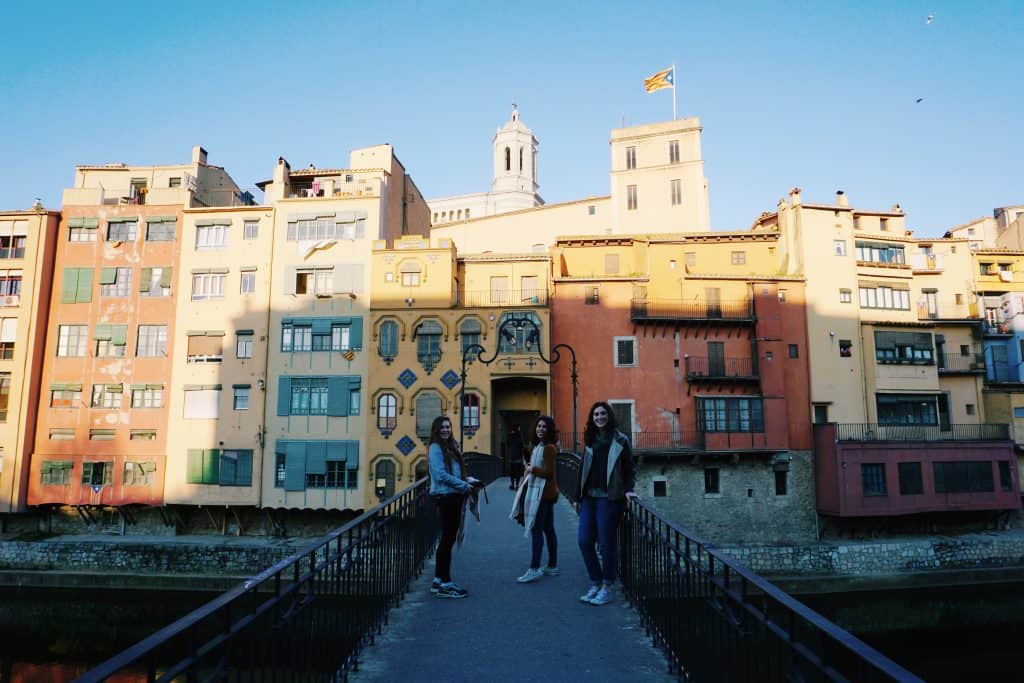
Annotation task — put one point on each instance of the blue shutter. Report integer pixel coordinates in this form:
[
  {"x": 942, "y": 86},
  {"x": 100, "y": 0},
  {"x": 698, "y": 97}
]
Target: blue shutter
[
  {"x": 355, "y": 333},
  {"x": 337, "y": 396},
  {"x": 295, "y": 466},
  {"x": 321, "y": 325},
  {"x": 284, "y": 395},
  {"x": 316, "y": 457},
  {"x": 337, "y": 451},
  {"x": 243, "y": 475}
]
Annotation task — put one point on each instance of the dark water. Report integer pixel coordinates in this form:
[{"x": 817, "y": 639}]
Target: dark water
[{"x": 959, "y": 633}]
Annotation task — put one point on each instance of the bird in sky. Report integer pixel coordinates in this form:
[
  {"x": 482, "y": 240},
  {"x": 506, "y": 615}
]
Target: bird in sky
[
  {"x": 919, "y": 100},
  {"x": 929, "y": 19}
]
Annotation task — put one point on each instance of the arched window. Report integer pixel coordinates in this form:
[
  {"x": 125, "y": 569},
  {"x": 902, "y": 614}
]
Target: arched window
[
  {"x": 469, "y": 333},
  {"x": 388, "y": 344},
  {"x": 428, "y": 344},
  {"x": 387, "y": 412},
  {"x": 385, "y": 479},
  {"x": 471, "y": 412},
  {"x": 460, "y": 214},
  {"x": 508, "y": 159},
  {"x": 521, "y": 338},
  {"x": 428, "y": 407}
]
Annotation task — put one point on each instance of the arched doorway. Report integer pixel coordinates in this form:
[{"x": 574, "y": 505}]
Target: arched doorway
[{"x": 516, "y": 401}]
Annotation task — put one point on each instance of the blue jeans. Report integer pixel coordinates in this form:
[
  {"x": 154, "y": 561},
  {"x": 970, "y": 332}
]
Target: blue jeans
[
  {"x": 599, "y": 523},
  {"x": 544, "y": 525}
]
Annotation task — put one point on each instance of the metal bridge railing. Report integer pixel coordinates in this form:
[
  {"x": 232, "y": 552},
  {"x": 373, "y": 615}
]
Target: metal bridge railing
[
  {"x": 715, "y": 619},
  {"x": 304, "y": 619}
]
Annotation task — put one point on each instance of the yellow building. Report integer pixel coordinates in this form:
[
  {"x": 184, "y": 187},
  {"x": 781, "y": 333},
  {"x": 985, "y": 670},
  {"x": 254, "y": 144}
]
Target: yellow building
[{"x": 27, "y": 244}]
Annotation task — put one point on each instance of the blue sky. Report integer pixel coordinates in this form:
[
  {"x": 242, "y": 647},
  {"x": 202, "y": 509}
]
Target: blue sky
[{"x": 816, "y": 95}]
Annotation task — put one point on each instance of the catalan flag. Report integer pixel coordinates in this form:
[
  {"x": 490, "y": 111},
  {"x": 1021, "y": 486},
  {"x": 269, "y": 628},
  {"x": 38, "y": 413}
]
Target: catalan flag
[{"x": 666, "y": 78}]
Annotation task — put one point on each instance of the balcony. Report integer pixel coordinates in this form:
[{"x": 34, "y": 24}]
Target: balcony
[
  {"x": 690, "y": 442},
  {"x": 9, "y": 300},
  {"x": 721, "y": 369},
  {"x": 504, "y": 298},
  {"x": 996, "y": 328},
  {"x": 691, "y": 310},
  {"x": 926, "y": 263},
  {"x": 955, "y": 363},
  {"x": 872, "y": 431}
]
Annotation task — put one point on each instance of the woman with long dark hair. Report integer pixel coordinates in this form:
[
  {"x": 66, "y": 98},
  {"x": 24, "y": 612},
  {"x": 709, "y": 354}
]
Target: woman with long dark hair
[
  {"x": 607, "y": 477},
  {"x": 448, "y": 488},
  {"x": 538, "y": 502}
]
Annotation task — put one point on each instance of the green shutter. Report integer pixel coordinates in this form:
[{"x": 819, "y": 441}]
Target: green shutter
[
  {"x": 76, "y": 222},
  {"x": 83, "y": 295},
  {"x": 119, "y": 335},
  {"x": 69, "y": 289},
  {"x": 102, "y": 332},
  {"x": 108, "y": 276},
  {"x": 211, "y": 466},
  {"x": 91, "y": 223},
  {"x": 284, "y": 395},
  {"x": 355, "y": 333},
  {"x": 194, "y": 473},
  {"x": 165, "y": 277},
  {"x": 337, "y": 396},
  {"x": 147, "y": 275}
]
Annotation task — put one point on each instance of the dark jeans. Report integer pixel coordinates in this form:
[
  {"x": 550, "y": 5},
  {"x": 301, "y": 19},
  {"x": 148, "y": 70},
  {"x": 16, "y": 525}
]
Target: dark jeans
[
  {"x": 449, "y": 506},
  {"x": 599, "y": 523},
  {"x": 516, "y": 470},
  {"x": 544, "y": 526}
]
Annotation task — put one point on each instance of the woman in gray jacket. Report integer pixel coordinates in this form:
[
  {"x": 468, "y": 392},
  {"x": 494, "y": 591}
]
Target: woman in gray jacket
[{"x": 607, "y": 476}]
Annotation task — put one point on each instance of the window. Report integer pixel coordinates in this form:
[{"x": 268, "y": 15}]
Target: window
[
  {"x": 299, "y": 465},
  {"x": 839, "y": 247},
  {"x": 315, "y": 281},
  {"x": 98, "y": 473},
  {"x": 243, "y": 344},
  {"x": 387, "y": 345},
  {"x": 868, "y": 252},
  {"x": 161, "y": 229},
  {"x": 334, "y": 396},
  {"x": 630, "y": 158},
  {"x": 62, "y": 434},
  {"x": 794, "y": 350},
  {"x": 82, "y": 229},
  {"x": 206, "y": 286},
  {"x": 959, "y": 299},
  {"x": 624, "y": 416},
  {"x": 884, "y": 224},
  {"x": 909, "y": 474},
  {"x": 845, "y": 296},
  {"x": 428, "y": 407},
  {"x": 611, "y": 264},
  {"x": 1005, "y": 476},
  {"x": 1018, "y": 412},
  {"x": 676, "y": 192},
  {"x": 203, "y": 466},
  {"x": 247, "y": 282},
  {"x": 106, "y": 396},
  {"x": 320, "y": 334},
  {"x": 205, "y": 347},
  {"x": 625, "y": 352},
  {"x": 72, "y": 340},
  {"x": 250, "y": 230},
  {"x": 55, "y": 472},
  {"x": 529, "y": 288},
  {"x": 8, "y": 337},
  {"x": 469, "y": 333},
  {"x": 308, "y": 396},
  {"x": 711, "y": 483},
  {"x": 202, "y": 402},
  {"x": 211, "y": 236},
  {"x": 730, "y": 414},
  {"x": 845, "y": 348},
  {"x": 673, "y": 151},
  {"x": 593, "y": 296},
  {"x": 61, "y": 395},
  {"x": 631, "y": 197},
  {"x": 12, "y": 246},
  {"x": 885, "y": 297},
  {"x": 174, "y": 182},
  {"x": 102, "y": 434},
  {"x": 471, "y": 412},
  {"x": 147, "y": 396},
  {"x": 521, "y": 335},
  {"x": 152, "y": 341},
  {"x": 5, "y": 394},
  {"x": 122, "y": 231},
  {"x": 111, "y": 340},
  {"x": 428, "y": 344},
  {"x": 906, "y": 409},
  {"x": 781, "y": 482},
  {"x": 115, "y": 281},
  {"x": 909, "y": 348},
  {"x": 660, "y": 488},
  {"x": 591, "y": 210},
  {"x": 969, "y": 409},
  {"x": 241, "y": 397},
  {"x": 155, "y": 282},
  {"x": 872, "y": 477},
  {"x": 690, "y": 259},
  {"x": 76, "y": 289},
  {"x": 387, "y": 412},
  {"x": 820, "y": 413},
  {"x": 499, "y": 294},
  {"x": 410, "y": 271},
  {"x": 235, "y": 467},
  {"x": 138, "y": 473},
  {"x": 963, "y": 477},
  {"x": 739, "y": 258}
]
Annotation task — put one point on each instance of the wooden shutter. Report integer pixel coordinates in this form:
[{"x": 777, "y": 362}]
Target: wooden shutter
[
  {"x": 284, "y": 395},
  {"x": 84, "y": 292},
  {"x": 337, "y": 396},
  {"x": 165, "y": 276},
  {"x": 355, "y": 333},
  {"x": 147, "y": 275},
  {"x": 295, "y": 466},
  {"x": 69, "y": 290},
  {"x": 194, "y": 471},
  {"x": 316, "y": 457},
  {"x": 211, "y": 466}
]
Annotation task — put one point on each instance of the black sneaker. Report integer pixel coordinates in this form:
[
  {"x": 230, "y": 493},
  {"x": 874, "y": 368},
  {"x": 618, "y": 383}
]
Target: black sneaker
[
  {"x": 451, "y": 591},
  {"x": 435, "y": 585}
]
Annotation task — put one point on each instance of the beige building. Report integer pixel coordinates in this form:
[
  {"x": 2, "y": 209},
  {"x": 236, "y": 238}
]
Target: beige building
[
  {"x": 325, "y": 221},
  {"x": 27, "y": 243}
]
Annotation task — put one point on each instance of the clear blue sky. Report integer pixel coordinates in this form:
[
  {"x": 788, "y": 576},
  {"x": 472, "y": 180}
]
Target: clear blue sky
[{"x": 816, "y": 95}]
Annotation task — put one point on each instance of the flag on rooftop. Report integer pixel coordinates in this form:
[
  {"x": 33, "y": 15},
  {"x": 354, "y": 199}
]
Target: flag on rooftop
[{"x": 666, "y": 78}]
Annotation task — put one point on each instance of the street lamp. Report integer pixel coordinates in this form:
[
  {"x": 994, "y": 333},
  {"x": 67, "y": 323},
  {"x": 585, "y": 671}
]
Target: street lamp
[{"x": 506, "y": 333}]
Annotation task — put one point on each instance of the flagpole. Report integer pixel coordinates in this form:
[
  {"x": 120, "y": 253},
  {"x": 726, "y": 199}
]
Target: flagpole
[{"x": 673, "y": 91}]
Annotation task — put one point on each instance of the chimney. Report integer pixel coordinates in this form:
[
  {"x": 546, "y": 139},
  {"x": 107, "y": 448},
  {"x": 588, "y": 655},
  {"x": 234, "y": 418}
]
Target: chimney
[
  {"x": 794, "y": 196},
  {"x": 841, "y": 199},
  {"x": 199, "y": 155}
]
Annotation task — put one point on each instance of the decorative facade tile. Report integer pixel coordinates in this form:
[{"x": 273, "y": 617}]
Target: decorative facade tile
[
  {"x": 405, "y": 444},
  {"x": 450, "y": 379},
  {"x": 407, "y": 378}
]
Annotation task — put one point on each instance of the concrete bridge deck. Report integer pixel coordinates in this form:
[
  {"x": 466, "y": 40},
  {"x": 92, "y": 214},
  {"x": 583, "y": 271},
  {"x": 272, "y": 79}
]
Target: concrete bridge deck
[{"x": 505, "y": 631}]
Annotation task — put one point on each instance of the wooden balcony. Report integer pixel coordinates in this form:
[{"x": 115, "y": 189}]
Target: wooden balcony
[{"x": 692, "y": 311}]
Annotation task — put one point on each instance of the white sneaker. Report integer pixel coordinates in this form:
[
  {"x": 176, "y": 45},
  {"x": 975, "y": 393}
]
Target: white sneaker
[
  {"x": 591, "y": 592},
  {"x": 603, "y": 597},
  {"x": 531, "y": 574},
  {"x": 550, "y": 571}
]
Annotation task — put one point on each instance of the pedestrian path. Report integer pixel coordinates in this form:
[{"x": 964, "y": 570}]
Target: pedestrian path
[{"x": 505, "y": 631}]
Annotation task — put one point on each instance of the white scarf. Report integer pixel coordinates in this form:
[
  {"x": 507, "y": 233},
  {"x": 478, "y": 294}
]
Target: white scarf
[{"x": 531, "y": 490}]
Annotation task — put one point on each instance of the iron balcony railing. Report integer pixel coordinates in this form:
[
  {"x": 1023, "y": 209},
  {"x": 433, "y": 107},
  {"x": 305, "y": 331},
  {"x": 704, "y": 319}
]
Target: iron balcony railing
[
  {"x": 721, "y": 368},
  {"x": 715, "y": 619},
  {"x": 504, "y": 297},
  {"x": 919, "y": 432},
  {"x": 306, "y": 618},
  {"x": 691, "y": 309},
  {"x": 956, "y": 362},
  {"x": 687, "y": 440}
]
